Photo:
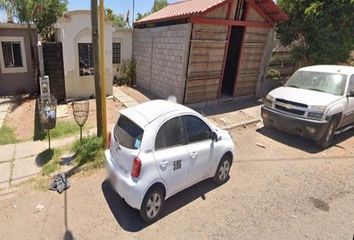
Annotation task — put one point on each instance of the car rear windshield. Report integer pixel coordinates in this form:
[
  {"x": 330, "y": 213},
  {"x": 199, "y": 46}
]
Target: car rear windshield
[
  {"x": 127, "y": 133},
  {"x": 333, "y": 83}
]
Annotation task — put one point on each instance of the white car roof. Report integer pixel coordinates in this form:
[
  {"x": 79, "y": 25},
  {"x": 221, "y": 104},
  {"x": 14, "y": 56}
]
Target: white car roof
[
  {"x": 145, "y": 113},
  {"x": 329, "y": 69}
]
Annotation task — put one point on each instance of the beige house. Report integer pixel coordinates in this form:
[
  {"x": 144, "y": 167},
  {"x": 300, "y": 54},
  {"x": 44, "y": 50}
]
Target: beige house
[
  {"x": 74, "y": 32},
  {"x": 17, "y": 73}
]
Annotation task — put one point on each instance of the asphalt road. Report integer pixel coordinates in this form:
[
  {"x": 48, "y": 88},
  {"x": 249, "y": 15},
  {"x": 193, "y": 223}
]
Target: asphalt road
[{"x": 281, "y": 187}]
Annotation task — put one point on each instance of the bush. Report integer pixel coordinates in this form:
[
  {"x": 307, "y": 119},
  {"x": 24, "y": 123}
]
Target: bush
[
  {"x": 127, "y": 70},
  {"x": 89, "y": 150},
  {"x": 273, "y": 74}
]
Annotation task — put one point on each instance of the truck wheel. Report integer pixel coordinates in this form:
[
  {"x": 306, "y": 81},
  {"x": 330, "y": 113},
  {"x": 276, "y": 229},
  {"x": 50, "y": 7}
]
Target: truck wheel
[
  {"x": 152, "y": 205},
  {"x": 223, "y": 170},
  {"x": 327, "y": 138}
]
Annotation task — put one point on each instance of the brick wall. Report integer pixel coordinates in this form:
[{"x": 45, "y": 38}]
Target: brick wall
[{"x": 161, "y": 55}]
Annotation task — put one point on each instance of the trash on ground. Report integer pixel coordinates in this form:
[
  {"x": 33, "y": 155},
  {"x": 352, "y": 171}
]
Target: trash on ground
[
  {"x": 260, "y": 145},
  {"x": 59, "y": 183},
  {"x": 39, "y": 207}
]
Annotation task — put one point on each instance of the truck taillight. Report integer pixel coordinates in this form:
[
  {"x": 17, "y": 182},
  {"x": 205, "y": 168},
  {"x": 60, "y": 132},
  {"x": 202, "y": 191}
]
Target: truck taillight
[
  {"x": 109, "y": 139},
  {"x": 136, "y": 167}
]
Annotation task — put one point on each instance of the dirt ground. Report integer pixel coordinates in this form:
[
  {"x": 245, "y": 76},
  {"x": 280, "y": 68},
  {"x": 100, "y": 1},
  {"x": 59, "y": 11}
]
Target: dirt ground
[
  {"x": 21, "y": 116},
  {"x": 281, "y": 187},
  {"x": 113, "y": 108}
]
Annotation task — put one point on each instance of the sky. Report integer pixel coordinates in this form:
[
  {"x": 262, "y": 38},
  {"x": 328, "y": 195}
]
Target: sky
[{"x": 118, "y": 6}]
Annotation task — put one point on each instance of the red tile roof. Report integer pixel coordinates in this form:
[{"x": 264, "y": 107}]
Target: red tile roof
[
  {"x": 181, "y": 9},
  {"x": 187, "y": 8}
]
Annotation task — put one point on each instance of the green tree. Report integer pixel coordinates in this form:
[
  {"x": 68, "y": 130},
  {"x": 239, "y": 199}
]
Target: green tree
[
  {"x": 45, "y": 19},
  {"x": 141, "y": 15},
  {"x": 158, "y": 5},
  {"x": 44, "y": 13},
  {"x": 8, "y": 6},
  {"x": 117, "y": 19},
  {"x": 319, "y": 31}
]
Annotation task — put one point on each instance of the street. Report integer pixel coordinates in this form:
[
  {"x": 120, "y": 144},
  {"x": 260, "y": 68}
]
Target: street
[{"x": 281, "y": 187}]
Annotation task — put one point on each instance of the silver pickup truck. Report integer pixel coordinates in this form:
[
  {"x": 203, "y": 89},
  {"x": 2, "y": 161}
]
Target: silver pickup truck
[{"x": 317, "y": 102}]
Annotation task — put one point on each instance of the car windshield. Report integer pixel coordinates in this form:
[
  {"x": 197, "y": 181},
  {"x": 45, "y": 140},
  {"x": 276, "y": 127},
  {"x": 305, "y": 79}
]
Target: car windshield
[
  {"x": 128, "y": 133},
  {"x": 333, "y": 83}
]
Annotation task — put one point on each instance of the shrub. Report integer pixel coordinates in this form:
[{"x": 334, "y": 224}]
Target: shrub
[
  {"x": 88, "y": 150},
  {"x": 127, "y": 70},
  {"x": 273, "y": 74}
]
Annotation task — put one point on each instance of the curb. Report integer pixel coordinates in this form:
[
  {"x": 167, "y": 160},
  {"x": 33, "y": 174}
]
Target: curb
[{"x": 242, "y": 124}]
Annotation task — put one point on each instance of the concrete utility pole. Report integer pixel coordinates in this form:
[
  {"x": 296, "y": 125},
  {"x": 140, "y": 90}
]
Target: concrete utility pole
[
  {"x": 103, "y": 73},
  {"x": 96, "y": 62}
]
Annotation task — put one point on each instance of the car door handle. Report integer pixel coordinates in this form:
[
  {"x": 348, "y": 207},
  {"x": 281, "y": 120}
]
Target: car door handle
[
  {"x": 163, "y": 164},
  {"x": 194, "y": 155}
]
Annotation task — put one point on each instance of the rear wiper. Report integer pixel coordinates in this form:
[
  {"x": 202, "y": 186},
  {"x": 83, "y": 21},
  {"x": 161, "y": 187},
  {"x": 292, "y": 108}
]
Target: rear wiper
[{"x": 316, "y": 89}]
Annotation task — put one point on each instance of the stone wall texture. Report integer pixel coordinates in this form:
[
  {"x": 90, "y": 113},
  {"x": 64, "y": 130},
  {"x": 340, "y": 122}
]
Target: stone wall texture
[{"x": 161, "y": 55}]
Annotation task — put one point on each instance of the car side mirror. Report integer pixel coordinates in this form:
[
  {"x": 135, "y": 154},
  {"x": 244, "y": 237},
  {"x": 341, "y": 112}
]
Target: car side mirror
[
  {"x": 214, "y": 137},
  {"x": 351, "y": 93}
]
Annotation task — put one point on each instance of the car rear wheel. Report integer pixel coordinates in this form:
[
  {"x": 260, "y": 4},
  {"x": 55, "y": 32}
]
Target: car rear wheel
[
  {"x": 152, "y": 205},
  {"x": 327, "y": 138},
  {"x": 223, "y": 170}
]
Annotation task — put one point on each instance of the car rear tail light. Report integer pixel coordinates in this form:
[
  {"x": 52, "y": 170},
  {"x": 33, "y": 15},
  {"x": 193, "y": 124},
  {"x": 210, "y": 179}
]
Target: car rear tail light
[
  {"x": 109, "y": 139},
  {"x": 136, "y": 167}
]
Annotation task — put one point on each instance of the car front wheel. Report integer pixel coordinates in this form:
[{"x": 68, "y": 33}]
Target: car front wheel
[
  {"x": 223, "y": 170},
  {"x": 327, "y": 138},
  {"x": 152, "y": 205}
]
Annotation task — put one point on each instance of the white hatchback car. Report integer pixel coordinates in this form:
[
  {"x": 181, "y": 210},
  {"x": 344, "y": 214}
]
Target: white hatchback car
[{"x": 159, "y": 148}]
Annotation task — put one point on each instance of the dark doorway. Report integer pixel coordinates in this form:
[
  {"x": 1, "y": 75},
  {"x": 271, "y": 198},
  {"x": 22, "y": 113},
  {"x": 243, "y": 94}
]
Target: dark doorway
[
  {"x": 54, "y": 68},
  {"x": 233, "y": 55}
]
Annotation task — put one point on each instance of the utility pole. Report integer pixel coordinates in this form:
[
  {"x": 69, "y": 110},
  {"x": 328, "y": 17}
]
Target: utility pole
[
  {"x": 154, "y": 5},
  {"x": 133, "y": 18},
  {"x": 103, "y": 73},
  {"x": 96, "y": 63}
]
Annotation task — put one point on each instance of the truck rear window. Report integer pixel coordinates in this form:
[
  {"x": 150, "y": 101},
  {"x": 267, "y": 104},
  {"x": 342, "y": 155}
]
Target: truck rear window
[{"x": 127, "y": 133}]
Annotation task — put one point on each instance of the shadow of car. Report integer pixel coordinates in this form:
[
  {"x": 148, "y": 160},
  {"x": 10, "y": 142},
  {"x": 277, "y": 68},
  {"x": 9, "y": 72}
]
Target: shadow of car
[
  {"x": 129, "y": 219},
  {"x": 298, "y": 142}
]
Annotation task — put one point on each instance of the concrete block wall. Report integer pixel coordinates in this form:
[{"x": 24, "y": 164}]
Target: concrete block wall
[{"x": 161, "y": 55}]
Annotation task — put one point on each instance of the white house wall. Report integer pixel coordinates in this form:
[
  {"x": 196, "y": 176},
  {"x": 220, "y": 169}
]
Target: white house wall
[
  {"x": 125, "y": 38},
  {"x": 74, "y": 29}
]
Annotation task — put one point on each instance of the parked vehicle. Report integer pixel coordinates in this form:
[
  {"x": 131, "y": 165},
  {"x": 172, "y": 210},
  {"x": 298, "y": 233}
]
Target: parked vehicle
[
  {"x": 159, "y": 148},
  {"x": 317, "y": 102}
]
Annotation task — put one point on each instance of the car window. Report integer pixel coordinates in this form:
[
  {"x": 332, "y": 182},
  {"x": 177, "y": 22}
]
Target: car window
[
  {"x": 128, "y": 134},
  {"x": 196, "y": 129},
  {"x": 333, "y": 83},
  {"x": 170, "y": 134},
  {"x": 351, "y": 83}
]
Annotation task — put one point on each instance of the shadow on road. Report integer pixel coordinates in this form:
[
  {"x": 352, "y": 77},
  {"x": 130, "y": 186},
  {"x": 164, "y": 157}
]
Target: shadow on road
[
  {"x": 129, "y": 219},
  {"x": 301, "y": 143},
  {"x": 226, "y": 107}
]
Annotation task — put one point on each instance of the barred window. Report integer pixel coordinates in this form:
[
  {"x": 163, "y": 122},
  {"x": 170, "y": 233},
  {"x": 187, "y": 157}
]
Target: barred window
[
  {"x": 85, "y": 59},
  {"x": 115, "y": 53},
  {"x": 12, "y": 54}
]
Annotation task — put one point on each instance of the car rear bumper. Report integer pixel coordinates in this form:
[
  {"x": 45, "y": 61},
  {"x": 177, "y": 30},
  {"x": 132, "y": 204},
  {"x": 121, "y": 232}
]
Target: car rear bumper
[
  {"x": 123, "y": 185},
  {"x": 311, "y": 129}
]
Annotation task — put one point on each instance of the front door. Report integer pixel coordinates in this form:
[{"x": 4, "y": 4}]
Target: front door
[
  {"x": 171, "y": 155},
  {"x": 200, "y": 147}
]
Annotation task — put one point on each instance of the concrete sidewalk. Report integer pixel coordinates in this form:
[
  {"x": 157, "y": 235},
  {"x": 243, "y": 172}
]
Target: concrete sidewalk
[{"x": 18, "y": 161}]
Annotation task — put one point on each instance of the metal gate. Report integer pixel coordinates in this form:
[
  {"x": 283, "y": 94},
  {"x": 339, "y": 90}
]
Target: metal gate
[{"x": 54, "y": 68}]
